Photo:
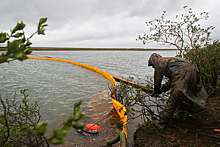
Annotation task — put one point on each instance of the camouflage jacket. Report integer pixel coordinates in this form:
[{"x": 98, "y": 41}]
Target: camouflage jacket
[{"x": 184, "y": 81}]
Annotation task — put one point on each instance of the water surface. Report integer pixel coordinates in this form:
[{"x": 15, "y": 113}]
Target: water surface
[{"x": 56, "y": 86}]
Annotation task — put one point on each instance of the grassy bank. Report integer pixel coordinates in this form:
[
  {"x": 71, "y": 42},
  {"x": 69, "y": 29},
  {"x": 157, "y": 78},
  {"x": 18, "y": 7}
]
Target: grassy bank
[{"x": 87, "y": 49}]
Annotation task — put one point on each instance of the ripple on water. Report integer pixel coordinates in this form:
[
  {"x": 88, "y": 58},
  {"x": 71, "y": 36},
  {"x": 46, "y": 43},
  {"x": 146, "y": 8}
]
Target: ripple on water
[{"x": 54, "y": 85}]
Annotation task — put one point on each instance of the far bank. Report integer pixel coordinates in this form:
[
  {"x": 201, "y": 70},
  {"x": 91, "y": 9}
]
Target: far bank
[{"x": 88, "y": 49}]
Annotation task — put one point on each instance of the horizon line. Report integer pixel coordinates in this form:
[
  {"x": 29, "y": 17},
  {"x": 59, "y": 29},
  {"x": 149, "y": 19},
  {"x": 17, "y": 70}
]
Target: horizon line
[{"x": 92, "y": 48}]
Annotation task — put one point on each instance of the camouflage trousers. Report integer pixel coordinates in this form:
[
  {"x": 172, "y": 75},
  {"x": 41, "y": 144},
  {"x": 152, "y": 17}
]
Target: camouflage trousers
[
  {"x": 170, "y": 108},
  {"x": 168, "y": 111}
]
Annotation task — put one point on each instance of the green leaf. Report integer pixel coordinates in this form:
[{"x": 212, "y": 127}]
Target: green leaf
[
  {"x": 27, "y": 51},
  {"x": 19, "y": 55},
  {"x": 77, "y": 104},
  {"x": 41, "y": 21},
  {"x": 41, "y": 31},
  {"x": 132, "y": 109},
  {"x": 40, "y": 128},
  {"x": 3, "y": 37},
  {"x": 77, "y": 117},
  {"x": 28, "y": 43},
  {"x": 79, "y": 125},
  {"x": 67, "y": 128},
  {"x": 3, "y": 58},
  {"x": 13, "y": 46},
  {"x": 17, "y": 35},
  {"x": 78, "y": 109},
  {"x": 61, "y": 133},
  {"x": 44, "y": 25},
  {"x": 23, "y": 40},
  {"x": 19, "y": 26},
  {"x": 120, "y": 109}
]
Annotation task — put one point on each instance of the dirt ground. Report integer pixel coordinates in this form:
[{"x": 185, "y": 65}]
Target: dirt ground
[{"x": 196, "y": 131}]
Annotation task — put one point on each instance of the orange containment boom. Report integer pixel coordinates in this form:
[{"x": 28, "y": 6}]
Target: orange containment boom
[
  {"x": 117, "y": 105},
  {"x": 144, "y": 88}
]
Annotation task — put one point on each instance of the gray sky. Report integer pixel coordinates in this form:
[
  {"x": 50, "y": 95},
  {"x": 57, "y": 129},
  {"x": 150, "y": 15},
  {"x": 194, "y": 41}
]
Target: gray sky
[{"x": 98, "y": 23}]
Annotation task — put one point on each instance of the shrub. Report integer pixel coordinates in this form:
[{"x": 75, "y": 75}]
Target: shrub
[
  {"x": 207, "y": 60},
  {"x": 20, "y": 124}
]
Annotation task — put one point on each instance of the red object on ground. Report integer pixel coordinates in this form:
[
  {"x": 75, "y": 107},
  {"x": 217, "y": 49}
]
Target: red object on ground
[
  {"x": 217, "y": 130},
  {"x": 93, "y": 127}
]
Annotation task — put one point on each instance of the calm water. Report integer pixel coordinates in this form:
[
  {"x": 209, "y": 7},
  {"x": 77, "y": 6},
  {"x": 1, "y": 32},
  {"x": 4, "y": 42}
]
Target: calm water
[{"x": 56, "y": 86}]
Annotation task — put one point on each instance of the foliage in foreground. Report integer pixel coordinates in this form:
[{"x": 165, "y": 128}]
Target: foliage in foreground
[
  {"x": 19, "y": 121},
  {"x": 21, "y": 126},
  {"x": 18, "y": 45}
]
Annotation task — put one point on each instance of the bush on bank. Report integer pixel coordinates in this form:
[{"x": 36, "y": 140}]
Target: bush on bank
[{"x": 207, "y": 60}]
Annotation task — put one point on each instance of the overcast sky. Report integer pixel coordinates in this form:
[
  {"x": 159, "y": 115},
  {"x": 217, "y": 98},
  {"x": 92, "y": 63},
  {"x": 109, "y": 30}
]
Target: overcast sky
[{"x": 98, "y": 23}]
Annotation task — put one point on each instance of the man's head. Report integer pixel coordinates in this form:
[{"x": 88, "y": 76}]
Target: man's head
[{"x": 153, "y": 60}]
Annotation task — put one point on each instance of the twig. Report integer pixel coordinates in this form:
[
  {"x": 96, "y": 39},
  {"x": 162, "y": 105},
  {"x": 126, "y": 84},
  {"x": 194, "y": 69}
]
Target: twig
[
  {"x": 210, "y": 135},
  {"x": 6, "y": 122}
]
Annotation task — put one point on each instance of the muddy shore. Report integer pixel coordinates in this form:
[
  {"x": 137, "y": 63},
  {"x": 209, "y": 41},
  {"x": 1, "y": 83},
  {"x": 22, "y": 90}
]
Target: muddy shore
[{"x": 198, "y": 130}]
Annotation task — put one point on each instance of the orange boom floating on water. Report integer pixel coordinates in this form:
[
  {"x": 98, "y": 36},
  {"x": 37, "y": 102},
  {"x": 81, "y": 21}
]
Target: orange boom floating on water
[{"x": 117, "y": 105}]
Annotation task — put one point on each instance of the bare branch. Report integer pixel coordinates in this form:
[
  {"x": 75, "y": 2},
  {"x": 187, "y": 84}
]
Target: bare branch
[{"x": 6, "y": 122}]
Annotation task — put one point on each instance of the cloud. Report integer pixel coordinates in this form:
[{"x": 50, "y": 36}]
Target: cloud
[{"x": 97, "y": 23}]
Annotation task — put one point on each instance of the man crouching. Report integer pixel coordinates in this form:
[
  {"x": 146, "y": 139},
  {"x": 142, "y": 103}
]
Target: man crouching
[{"x": 187, "y": 92}]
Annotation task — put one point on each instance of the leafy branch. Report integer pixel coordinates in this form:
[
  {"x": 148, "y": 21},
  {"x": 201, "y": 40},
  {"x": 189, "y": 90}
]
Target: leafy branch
[
  {"x": 138, "y": 103},
  {"x": 19, "y": 120},
  {"x": 18, "y": 45},
  {"x": 20, "y": 123},
  {"x": 207, "y": 60}
]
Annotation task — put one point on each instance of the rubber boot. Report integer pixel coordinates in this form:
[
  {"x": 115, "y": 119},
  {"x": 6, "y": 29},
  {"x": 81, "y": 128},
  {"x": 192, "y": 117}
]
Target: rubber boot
[
  {"x": 182, "y": 113},
  {"x": 166, "y": 115},
  {"x": 162, "y": 123}
]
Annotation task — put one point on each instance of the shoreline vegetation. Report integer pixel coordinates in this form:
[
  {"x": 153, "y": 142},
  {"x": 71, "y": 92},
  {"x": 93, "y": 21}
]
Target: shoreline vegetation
[{"x": 87, "y": 49}]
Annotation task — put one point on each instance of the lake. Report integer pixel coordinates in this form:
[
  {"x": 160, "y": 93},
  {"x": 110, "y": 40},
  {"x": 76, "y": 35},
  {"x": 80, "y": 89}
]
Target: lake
[{"x": 56, "y": 86}]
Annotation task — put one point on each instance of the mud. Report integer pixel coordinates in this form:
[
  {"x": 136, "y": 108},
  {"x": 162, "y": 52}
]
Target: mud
[
  {"x": 102, "y": 113},
  {"x": 197, "y": 130}
]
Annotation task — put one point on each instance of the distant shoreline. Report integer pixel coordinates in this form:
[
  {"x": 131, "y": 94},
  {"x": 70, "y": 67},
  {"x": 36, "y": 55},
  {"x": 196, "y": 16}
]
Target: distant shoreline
[{"x": 88, "y": 49}]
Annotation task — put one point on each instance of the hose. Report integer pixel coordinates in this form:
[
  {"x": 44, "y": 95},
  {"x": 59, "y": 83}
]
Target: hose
[{"x": 121, "y": 137}]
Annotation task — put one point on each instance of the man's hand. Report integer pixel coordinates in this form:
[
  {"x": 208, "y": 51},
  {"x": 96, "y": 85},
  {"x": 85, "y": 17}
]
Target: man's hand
[{"x": 152, "y": 94}]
